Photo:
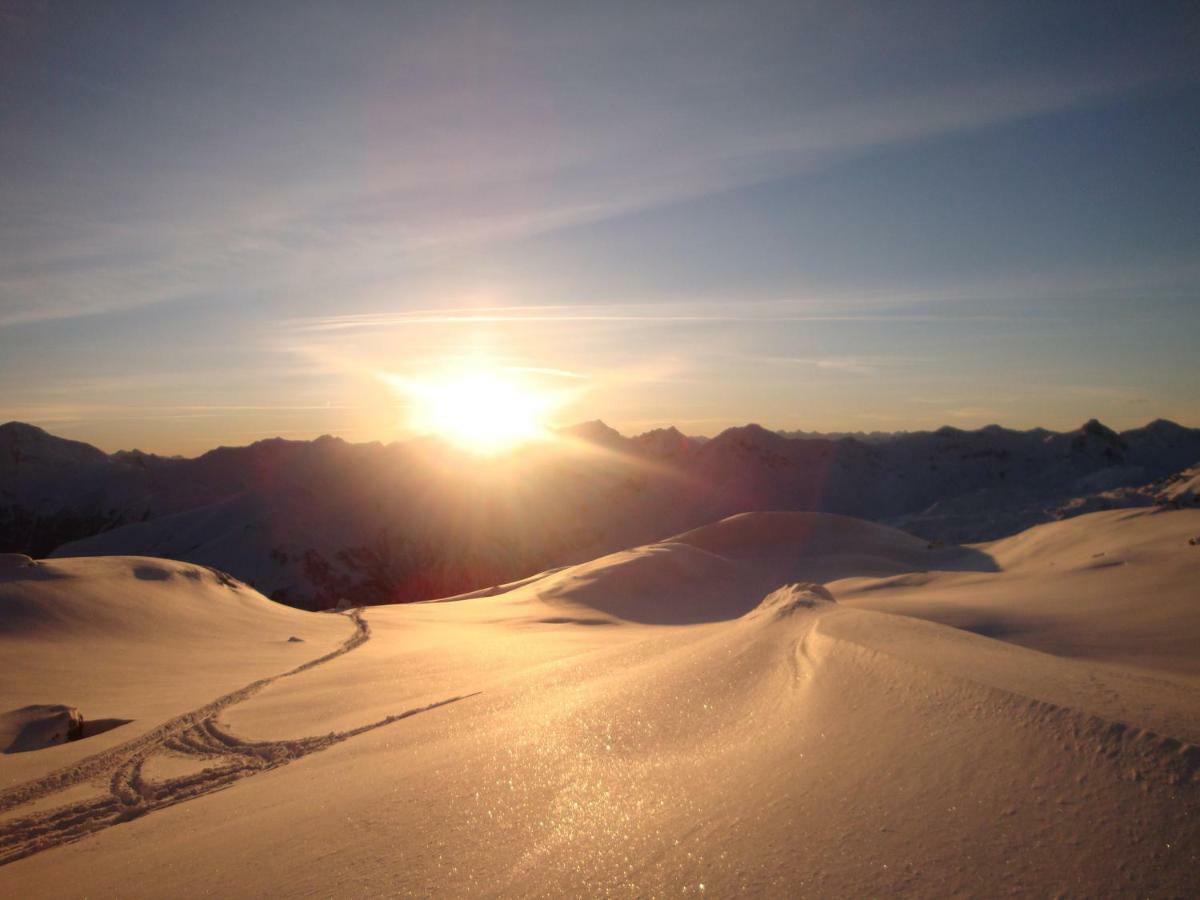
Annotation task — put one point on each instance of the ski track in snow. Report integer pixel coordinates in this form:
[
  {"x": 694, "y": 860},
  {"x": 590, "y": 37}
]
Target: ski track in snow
[{"x": 196, "y": 734}]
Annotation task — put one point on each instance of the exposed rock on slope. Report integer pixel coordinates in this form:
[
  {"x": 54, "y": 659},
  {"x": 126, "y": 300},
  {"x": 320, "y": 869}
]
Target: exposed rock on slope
[{"x": 38, "y": 726}]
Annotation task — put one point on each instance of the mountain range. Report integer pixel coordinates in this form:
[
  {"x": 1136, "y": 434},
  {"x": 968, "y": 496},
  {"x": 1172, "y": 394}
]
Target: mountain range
[{"x": 310, "y": 523}]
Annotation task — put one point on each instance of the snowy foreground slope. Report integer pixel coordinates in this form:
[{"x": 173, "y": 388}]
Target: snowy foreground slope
[{"x": 782, "y": 704}]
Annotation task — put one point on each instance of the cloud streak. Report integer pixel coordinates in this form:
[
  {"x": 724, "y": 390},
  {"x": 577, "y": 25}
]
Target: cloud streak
[
  {"x": 214, "y": 225},
  {"x": 647, "y": 313}
]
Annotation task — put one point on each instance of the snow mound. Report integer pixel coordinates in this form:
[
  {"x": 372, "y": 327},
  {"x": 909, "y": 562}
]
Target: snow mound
[
  {"x": 128, "y": 597},
  {"x": 39, "y": 725},
  {"x": 669, "y": 583},
  {"x": 787, "y": 547},
  {"x": 756, "y": 534},
  {"x": 791, "y": 598},
  {"x": 723, "y": 570}
]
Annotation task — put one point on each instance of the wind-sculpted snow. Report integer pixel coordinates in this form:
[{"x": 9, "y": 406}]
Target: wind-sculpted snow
[{"x": 793, "y": 598}]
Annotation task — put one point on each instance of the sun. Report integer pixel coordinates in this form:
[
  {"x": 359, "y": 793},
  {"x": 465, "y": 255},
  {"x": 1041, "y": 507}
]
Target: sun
[{"x": 482, "y": 410}]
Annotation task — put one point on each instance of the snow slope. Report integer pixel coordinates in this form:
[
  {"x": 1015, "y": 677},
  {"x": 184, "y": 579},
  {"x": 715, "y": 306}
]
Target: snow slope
[
  {"x": 691, "y": 717},
  {"x": 132, "y": 638}
]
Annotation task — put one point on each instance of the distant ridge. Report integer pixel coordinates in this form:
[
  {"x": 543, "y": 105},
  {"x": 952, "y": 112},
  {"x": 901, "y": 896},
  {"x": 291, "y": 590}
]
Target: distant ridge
[
  {"x": 598, "y": 431},
  {"x": 311, "y": 521}
]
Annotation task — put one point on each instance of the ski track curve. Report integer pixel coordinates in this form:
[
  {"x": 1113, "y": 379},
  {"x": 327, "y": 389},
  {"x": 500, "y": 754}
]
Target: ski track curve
[{"x": 196, "y": 734}]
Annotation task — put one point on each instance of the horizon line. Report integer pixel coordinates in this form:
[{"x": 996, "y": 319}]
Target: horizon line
[{"x": 794, "y": 434}]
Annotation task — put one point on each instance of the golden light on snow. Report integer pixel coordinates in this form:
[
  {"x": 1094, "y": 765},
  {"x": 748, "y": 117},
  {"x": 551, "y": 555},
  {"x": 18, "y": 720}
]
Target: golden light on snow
[{"x": 480, "y": 408}]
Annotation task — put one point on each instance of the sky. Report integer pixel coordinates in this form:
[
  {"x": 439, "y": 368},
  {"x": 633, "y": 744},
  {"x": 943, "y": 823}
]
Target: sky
[{"x": 226, "y": 222}]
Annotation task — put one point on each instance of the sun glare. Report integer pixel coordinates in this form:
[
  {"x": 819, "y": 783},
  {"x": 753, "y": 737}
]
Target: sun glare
[{"x": 485, "y": 411}]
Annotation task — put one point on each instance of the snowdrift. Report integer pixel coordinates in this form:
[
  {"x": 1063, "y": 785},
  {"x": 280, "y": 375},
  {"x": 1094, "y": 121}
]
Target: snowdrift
[{"x": 723, "y": 570}]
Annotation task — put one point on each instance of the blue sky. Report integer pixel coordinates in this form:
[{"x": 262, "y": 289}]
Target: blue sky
[{"x": 220, "y": 222}]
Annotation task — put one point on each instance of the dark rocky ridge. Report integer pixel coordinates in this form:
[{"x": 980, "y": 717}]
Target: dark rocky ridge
[{"x": 311, "y": 522}]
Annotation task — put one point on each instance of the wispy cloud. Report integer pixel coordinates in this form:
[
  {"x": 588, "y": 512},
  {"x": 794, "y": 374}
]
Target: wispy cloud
[
  {"x": 216, "y": 225},
  {"x": 854, "y": 365},
  {"x": 649, "y": 312}
]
